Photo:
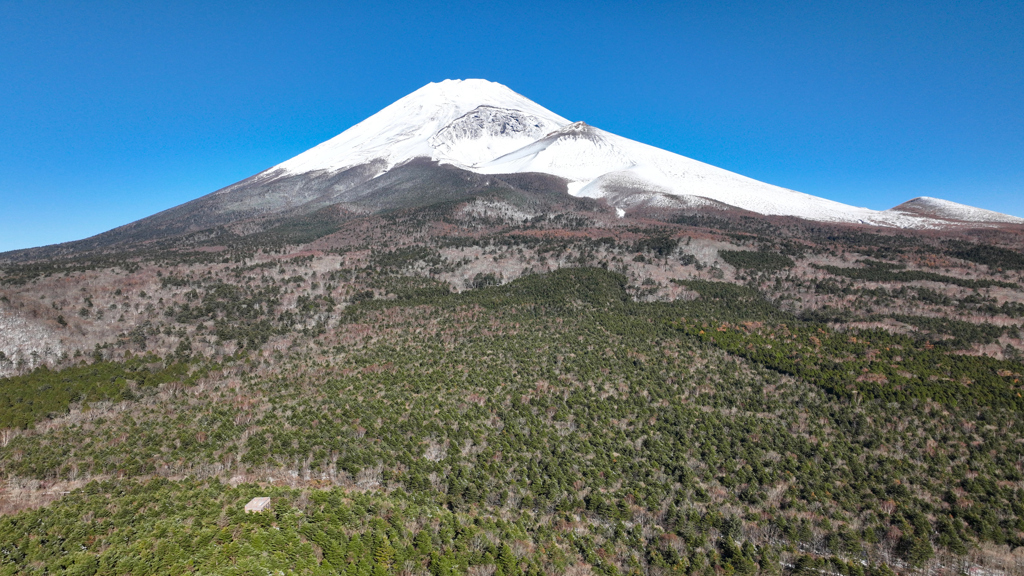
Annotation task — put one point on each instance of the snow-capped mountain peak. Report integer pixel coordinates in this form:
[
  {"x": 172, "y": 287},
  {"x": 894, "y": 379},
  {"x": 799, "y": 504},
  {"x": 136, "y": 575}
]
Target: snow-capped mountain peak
[
  {"x": 485, "y": 127},
  {"x": 407, "y": 129}
]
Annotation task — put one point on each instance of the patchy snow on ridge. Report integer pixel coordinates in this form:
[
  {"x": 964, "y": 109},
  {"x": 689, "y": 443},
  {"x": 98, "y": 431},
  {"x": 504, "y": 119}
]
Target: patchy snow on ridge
[
  {"x": 486, "y": 133},
  {"x": 407, "y": 129}
]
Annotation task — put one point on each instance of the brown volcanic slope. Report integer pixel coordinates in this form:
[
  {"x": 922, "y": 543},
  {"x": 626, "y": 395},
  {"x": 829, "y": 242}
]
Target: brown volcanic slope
[{"x": 274, "y": 199}]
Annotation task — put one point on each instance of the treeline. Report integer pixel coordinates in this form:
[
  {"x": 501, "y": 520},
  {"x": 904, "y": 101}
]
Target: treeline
[
  {"x": 961, "y": 334},
  {"x": 875, "y": 271},
  {"x": 31, "y": 397},
  {"x": 994, "y": 257}
]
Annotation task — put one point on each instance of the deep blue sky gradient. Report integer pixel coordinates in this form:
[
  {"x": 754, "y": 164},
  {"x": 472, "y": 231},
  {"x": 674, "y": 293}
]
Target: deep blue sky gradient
[{"x": 111, "y": 111}]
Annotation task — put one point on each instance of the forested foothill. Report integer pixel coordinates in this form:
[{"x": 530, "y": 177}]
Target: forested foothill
[{"x": 493, "y": 386}]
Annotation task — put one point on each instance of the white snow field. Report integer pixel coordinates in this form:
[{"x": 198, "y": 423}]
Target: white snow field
[
  {"x": 487, "y": 128},
  {"x": 429, "y": 123}
]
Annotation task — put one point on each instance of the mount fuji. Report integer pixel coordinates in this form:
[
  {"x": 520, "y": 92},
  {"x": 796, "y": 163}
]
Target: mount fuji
[
  {"x": 486, "y": 128},
  {"x": 452, "y": 139}
]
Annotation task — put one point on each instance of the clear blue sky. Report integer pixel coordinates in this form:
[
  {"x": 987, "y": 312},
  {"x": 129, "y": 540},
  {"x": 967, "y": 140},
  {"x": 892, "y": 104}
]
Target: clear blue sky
[{"x": 111, "y": 111}]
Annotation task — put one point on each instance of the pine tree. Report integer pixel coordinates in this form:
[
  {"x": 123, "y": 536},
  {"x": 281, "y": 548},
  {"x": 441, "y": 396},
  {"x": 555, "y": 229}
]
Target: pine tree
[
  {"x": 507, "y": 562},
  {"x": 441, "y": 565},
  {"x": 383, "y": 553},
  {"x": 423, "y": 542}
]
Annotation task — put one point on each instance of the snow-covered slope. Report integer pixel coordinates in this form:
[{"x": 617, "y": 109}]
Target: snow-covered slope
[
  {"x": 598, "y": 163},
  {"x": 486, "y": 128},
  {"x": 455, "y": 121},
  {"x": 937, "y": 208}
]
